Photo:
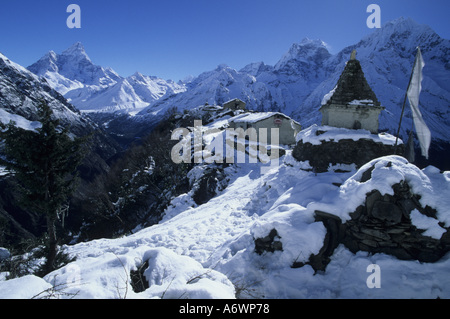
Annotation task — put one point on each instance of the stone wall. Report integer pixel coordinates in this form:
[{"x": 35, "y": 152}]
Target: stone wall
[
  {"x": 382, "y": 225},
  {"x": 344, "y": 151}
]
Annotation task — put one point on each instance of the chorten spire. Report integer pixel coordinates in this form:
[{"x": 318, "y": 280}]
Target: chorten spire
[{"x": 352, "y": 103}]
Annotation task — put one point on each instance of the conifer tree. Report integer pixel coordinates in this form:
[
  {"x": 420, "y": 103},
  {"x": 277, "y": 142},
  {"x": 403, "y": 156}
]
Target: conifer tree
[{"x": 44, "y": 163}]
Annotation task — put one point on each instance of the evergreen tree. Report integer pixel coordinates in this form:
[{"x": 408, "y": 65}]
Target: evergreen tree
[{"x": 44, "y": 162}]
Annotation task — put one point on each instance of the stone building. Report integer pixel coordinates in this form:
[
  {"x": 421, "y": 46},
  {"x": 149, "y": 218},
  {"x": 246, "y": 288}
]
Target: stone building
[
  {"x": 352, "y": 104},
  {"x": 288, "y": 128},
  {"x": 234, "y": 104}
]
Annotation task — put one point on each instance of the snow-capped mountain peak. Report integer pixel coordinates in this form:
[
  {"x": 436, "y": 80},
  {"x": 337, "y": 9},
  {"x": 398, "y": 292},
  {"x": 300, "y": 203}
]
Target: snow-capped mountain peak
[
  {"x": 402, "y": 25},
  {"x": 72, "y": 69},
  {"x": 92, "y": 87},
  {"x": 306, "y": 51},
  {"x": 76, "y": 50},
  {"x": 47, "y": 63}
]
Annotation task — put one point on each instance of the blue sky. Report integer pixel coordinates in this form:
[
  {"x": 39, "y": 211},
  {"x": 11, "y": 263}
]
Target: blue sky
[{"x": 176, "y": 38}]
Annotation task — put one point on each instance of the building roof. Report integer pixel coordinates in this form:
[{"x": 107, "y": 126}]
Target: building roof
[{"x": 257, "y": 117}]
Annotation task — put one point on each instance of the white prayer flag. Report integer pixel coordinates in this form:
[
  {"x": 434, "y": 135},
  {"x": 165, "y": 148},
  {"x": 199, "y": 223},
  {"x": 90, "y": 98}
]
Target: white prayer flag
[{"x": 415, "y": 86}]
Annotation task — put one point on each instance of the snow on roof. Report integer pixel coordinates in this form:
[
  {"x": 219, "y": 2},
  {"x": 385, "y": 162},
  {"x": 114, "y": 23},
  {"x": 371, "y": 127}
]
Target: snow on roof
[
  {"x": 256, "y": 117},
  {"x": 232, "y": 100},
  {"x": 317, "y": 134},
  {"x": 359, "y": 102},
  {"x": 328, "y": 96}
]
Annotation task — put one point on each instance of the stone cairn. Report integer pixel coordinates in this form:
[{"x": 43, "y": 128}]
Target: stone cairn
[{"x": 382, "y": 225}]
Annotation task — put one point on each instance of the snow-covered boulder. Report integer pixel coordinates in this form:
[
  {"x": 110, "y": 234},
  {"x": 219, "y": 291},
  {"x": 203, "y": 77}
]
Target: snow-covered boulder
[
  {"x": 389, "y": 206},
  {"x": 27, "y": 287}
]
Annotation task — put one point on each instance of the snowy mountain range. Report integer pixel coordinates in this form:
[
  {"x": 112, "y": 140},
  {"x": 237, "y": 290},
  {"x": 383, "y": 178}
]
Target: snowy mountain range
[
  {"x": 263, "y": 87},
  {"x": 92, "y": 87},
  {"x": 295, "y": 85}
]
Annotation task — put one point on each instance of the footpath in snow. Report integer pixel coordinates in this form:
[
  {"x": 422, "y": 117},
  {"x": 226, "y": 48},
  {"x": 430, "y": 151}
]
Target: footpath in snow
[{"x": 208, "y": 251}]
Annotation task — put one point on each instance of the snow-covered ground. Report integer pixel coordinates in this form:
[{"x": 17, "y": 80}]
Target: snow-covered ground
[
  {"x": 6, "y": 118},
  {"x": 208, "y": 251}
]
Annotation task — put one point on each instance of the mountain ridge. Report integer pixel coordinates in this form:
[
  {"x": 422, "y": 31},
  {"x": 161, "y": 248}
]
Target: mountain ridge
[
  {"x": 297, "y": 83},
  {"x": 91, "y": 87}
]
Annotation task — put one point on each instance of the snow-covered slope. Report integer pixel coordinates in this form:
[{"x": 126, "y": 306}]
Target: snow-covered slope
[
  {"x": 21, "y": 91},
  {"x": 93, "y": 88},
  {"x": 208, "y": 251}
]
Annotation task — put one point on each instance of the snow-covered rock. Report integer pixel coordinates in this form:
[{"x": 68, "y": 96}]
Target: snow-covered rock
[{"x": 26, "y": 287}]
